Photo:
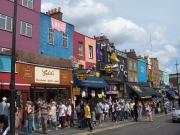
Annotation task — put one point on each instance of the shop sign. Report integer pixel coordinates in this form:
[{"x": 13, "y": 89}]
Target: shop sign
[
  {"x": 47, "y": 75},
  {"x": 58, "y": 25}
]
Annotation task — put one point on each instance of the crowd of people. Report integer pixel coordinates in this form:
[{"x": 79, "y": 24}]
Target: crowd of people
[{"x": 40, "y": 115}]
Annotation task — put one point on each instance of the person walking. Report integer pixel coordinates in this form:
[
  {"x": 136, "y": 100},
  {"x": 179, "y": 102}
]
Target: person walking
[
  {"x": 44, "y": 116},
  {"x": 100, "y": 111},
  {"x": 29, "y": 117},
  {"x": 62, "y": 114},
  {"x": 149, "y": 113},
  {"x": 136, "y": 111},
  {"x": 87, "y": 115},
  {"x": 4, "y": 114}
]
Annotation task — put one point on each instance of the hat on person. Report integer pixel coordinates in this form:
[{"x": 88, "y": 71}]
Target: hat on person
[{"x": 4, "y": 99}]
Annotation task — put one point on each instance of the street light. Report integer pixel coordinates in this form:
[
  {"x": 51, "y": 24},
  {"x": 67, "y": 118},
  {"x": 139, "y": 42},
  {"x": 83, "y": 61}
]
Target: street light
[
  {"x": 13, "y": 62},
  {"x": 177, "y": 64}
]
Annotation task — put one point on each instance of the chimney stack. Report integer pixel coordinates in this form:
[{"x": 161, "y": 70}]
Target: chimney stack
[{"x": 55, "y": 13}]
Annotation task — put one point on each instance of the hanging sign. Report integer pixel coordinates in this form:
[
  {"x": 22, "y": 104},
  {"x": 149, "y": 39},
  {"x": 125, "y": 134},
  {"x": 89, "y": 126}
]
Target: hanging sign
[{"x": 58, "y": 25}]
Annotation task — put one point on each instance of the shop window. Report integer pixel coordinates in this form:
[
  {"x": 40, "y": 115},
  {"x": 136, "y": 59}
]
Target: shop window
[
  {"x": 27, "y": 3},
  {"x": 80, "y": 48},
  {"x": 65, "y": 40},
  {"x": 51, "y": 36},
  {"x": 26, "y": 29},
  {"x": 90, "y": 52},
  {"x": 6, "y": 22}
]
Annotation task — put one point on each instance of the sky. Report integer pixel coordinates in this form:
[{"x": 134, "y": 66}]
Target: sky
[{"x": 151, "y": 27}]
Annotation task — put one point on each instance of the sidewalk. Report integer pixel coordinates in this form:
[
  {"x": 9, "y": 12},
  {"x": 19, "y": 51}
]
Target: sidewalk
[{"x": 76, "y": 131}]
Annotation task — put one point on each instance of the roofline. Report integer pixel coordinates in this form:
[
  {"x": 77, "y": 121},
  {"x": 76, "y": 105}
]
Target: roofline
[
  {"x": 57, "y": 19},
  {"x": 84, "y": 35}
]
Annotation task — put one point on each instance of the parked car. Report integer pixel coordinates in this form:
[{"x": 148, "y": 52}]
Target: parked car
[{"x": 176, "y": 115}]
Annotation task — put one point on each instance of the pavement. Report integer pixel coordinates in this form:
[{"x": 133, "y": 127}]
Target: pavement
[
  {"x": 108, "y": 127},
  {"x": 162, "y": 125}
]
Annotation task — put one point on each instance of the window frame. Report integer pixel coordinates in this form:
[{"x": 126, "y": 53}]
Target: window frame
[
  {"x": 65, "y": 36},
  {"x": 90, "y": 52},
  {"x": 26, "y": 33},
  {"x": 52, "y": 32},
  {"x": 23, "y": 4},
  {"x": 6, "y": 19},
  {"x": 80, "y": 44}
]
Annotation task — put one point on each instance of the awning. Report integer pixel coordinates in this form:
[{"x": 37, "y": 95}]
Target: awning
[
  {"x": 149, "y": 90},
  {"x": 93, "y": 82},
  {"x": 139, "y": 91},
  {"x": 20, "y": 83}
]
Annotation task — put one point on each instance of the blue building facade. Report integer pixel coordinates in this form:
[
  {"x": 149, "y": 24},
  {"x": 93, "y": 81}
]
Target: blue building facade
[
  {"x": 52, "y": 35},
  {"x": 5, "y": 63},
  {"x": 142, "y": 73}
]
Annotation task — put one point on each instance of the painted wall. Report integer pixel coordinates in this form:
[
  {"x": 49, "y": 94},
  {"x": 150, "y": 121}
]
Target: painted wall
[
  {"x": 165, "y": 78},
  {"x": 89, "y": 61},
  {"x": 142, "y": 75},
  {"x": 78, "y": 37},
  {"x": 23, "y": 14},
  {"x": 132, "y": 70},
  {"x": 56, "y": 50},
  {"x": 5, "y": 63}
]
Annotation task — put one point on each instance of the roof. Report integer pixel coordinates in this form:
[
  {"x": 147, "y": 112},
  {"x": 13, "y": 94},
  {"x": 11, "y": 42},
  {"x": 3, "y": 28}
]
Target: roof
[{"x": 43, "y": 60}]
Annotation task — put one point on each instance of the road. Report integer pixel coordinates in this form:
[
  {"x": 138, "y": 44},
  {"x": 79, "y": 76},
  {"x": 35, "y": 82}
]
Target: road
[{"x": 160, "y": 126}]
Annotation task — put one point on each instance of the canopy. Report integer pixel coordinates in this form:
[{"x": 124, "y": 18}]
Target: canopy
[
  {"x": 149, "y": 90},
  {"x": 20, "y": 83},
  {"x": 139, "y": 91},
  {"x": 91, "y": 81}
]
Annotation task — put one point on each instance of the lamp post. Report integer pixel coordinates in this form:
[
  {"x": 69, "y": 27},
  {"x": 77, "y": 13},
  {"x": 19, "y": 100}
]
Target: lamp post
[
  {"x": 177, "y": 76},
  {"x": 12, "y": 84}
]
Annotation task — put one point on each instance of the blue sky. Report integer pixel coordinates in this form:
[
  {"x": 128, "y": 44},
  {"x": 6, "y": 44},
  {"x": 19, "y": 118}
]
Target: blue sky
[{"x": 129, "y": 24}]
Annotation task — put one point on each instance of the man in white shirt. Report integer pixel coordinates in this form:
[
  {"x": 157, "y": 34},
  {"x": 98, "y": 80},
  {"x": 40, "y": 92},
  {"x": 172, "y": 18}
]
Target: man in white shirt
[
  {"x": 62, "y": 114},
  {"x": 4, "y": 113}
]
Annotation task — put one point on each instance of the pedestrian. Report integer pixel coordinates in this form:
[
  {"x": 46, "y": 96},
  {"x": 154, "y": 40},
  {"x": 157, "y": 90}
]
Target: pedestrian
[
  {"x": 29, "y": 117},
  {"x": 69, "y": 113},
  {"x": 100, "y": 111},
  {"x": 140, "y": 109},
  {"x": 4, "y": 114},
  {"x": 44, "y": 116},
  {"x": 87, "y": 115},
  {"x": 53, "y": 109},
  {"x": 149, "y": 113},
  {"x": 62, "y": 109},
  {"x": 136, "y": 111}
]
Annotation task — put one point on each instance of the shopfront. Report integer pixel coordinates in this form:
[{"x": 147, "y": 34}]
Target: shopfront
[
  {"x": 89, "y": 87},
  {"x": 47, "y": 83}
]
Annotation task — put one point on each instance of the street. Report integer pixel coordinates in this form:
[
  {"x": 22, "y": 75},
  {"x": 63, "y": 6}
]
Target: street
[{"x": 160, "y": 126}]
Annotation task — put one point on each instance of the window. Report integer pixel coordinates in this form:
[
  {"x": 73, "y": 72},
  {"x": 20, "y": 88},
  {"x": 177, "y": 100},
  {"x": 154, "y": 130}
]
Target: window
[
  {"x": 130, "y": 65},
  {"x": 28, "y": 3},
  {"x": 80, "y": 48},
  {"x": 90, "y": 51},
  {"x": 65, "y": 40},
  {"x": 135, "y": 66},
  {"x": 51, "y": 36},
  {"x": 26, "y": 29},
  {"x": 6, "y": 22}
]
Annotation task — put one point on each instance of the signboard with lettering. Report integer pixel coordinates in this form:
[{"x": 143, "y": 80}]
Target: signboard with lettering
[
  {"x": 58, "y": 25},
  {"x": 47, "y": 75}
]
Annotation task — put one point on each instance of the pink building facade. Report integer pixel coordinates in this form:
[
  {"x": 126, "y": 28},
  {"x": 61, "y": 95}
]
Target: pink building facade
[
  {"x": 84, "y": 50},
  {"x": 27, "y": 27}
]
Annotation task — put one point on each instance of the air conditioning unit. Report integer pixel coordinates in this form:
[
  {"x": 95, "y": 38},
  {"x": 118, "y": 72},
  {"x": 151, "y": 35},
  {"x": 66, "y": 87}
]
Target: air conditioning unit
[{"x": 5, "y": 50}]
